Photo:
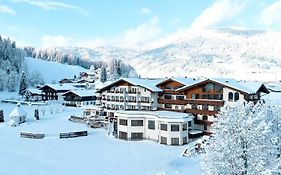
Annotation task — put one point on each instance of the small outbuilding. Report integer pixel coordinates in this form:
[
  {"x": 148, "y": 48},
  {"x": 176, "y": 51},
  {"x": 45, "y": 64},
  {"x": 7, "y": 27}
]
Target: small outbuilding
[{"x": 18, "y": 115}]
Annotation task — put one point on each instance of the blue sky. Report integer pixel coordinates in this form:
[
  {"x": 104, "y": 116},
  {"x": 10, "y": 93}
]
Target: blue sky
[{"x": 125, "y": 23}]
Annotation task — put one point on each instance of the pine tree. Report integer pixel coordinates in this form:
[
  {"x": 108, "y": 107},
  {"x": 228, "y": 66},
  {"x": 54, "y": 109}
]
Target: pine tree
[
  {"x": 103, "y": 74},
  {"x": 23, "y": 84},
  {"x": 27, "y": 95},
  {"x": 241, "y": 142}
]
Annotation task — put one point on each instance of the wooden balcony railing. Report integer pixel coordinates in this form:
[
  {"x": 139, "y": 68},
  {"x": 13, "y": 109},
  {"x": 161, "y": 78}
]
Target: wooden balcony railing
[
  {"x": 203, "y": 122},
  {"x": 178, "y": 102},
  {"x": 202, "y": 112}
]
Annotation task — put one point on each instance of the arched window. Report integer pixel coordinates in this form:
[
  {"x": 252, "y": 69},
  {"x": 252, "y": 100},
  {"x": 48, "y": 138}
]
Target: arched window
[
  {"x": 230, "y": 96},
  {"x": 236, "y": 96}
]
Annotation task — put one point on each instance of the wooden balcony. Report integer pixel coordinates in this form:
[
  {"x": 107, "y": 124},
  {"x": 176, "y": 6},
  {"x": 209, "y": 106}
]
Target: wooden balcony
[
  {"x": 171, "y": 101},
  {"x": 192, "y": 101},
  {"x": 205, "y": 102},
  {"x": 170, "y": 109},
  {"x": 202, "y": 112},
  {"x": 203, "y": 122}
]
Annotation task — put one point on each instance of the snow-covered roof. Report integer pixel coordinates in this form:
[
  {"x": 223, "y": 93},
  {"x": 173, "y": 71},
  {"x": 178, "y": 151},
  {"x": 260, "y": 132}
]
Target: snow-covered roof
[
  {"x": 161, "y": 115},
  {"x": 62, "y": 87},
  {"x": 275, "y": 87},
  {"x": 82, "y": 92},
  {"x": 273, "y": 97},
  {"x": 92, "y": 107},
  {"x": 34, "y": 91},
  {"x": 18, "y": 111},
  {"x": 185, "y": 81},
  {"x": 247, "y": 87},
  {"x": 146, "y": 83}
]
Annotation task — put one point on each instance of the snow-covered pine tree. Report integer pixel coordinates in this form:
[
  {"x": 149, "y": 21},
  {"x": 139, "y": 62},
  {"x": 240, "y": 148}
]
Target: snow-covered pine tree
[
  {"x": 241, "y": 143},
  {"x": 27, "y": 95},
  {"x": 12, "y": 81},
  {"x": 36, "y": 78},
  {"x": 103, "y": 74},
  {"x": 23, "y": 84}
]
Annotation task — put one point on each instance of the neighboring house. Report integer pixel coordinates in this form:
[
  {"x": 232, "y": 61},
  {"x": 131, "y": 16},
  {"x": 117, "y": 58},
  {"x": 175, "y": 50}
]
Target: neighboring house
[
  {"x": 66, "y": 80},
  {"x": 35, "y": 94},
  {"x": 129, "y": 94},
  {"x": 79, "y": 98},
  {"x": 170, "y": 128},
  {"x": 55, "y": 91},
  {"x": 204, "y": 98},
  {"x": 18, "y": 116}
]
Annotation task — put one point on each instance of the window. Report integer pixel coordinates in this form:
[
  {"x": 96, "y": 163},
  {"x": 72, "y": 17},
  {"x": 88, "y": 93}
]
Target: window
[
  {"x": 163, "y": 140},
  {"x": 205, "y": 107},
  {"x": 184, "y": 140},
  {"x": 175, "y": 127},
  {"x": 175, "y": 141},
  {"x": 151, "y": 124},
  {"x": 123, "y": 122},
  {"x": 205, "y": 127},
  {"x": 184, "y": 127},
  {"x": 122, "y": 135},
  {"x": 209, "y": 87},
  {"x": 205, "y": 117},
  {"x": 168, "y": 105},
  {"x": 230, "y": 96},
  {"x": 168, "y": 97},
  {"x": 195, "y": 96},
  {"x": 189, "y": 124},
  {"x": 236, "y": 96},
  {"x": 217, "y": 88},
  {"x": 136, "y": 136},
  {"x": 193, "y": 106},
  {"x": 137, "y": 123},
  {"x": 163, "y": 127},
  {"x": 87, "y": 113},
  {"x": 180, "y": 97}
]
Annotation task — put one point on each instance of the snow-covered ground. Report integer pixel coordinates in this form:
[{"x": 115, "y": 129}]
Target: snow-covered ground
[
  {"x": 94, "y": 154},
  {"x": 52, "y": 71}
]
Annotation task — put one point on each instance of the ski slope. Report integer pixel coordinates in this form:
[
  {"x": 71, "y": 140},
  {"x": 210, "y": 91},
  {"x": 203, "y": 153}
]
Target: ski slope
[{"x": 52, "y": 71}]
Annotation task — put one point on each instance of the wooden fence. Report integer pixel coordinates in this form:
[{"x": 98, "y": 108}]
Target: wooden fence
[
  {"x": 73, "y": 134},
  {"x": 31, "y": 135}
]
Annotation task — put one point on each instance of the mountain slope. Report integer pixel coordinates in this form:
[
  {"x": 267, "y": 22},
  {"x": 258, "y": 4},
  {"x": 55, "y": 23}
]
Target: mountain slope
[
  {"x": 52, "y": 71},
  {"x": 241, "y": 54},
  {"x": 245, "y": 54}
]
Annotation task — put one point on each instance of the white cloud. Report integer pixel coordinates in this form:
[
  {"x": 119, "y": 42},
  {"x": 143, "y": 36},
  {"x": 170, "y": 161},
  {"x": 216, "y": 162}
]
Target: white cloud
[
  {"x": 52, "y": 5},
  {"x": 272, "y": 14},
  {"x": 136, "y": 37},
  {"x": 218, "y": 12},
  {"x": 56, "y": 41},
  {"x": 140, "y": 35},
  {"x": 7, "y": 10},
  {"x": 146, "y": 11}
]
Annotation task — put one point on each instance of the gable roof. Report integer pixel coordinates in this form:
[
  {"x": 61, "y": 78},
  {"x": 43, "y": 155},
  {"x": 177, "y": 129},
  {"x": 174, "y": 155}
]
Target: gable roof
[
  {"x": 82, "y": 93},
  {"x": 61, "y": 87},
  {"x": 246, "y": 87},
  {"x": 184, "y": 81},
  {"x": 149, "y": 84},
  {"x": 18, "y": 111}
]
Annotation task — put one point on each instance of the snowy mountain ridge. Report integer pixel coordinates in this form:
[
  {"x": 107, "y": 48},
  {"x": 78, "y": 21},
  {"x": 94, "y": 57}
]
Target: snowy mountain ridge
[{"x": 236, "y": 53}]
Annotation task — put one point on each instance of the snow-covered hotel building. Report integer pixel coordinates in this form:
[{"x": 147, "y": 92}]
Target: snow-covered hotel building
[{"x": 127, "y": 98}]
